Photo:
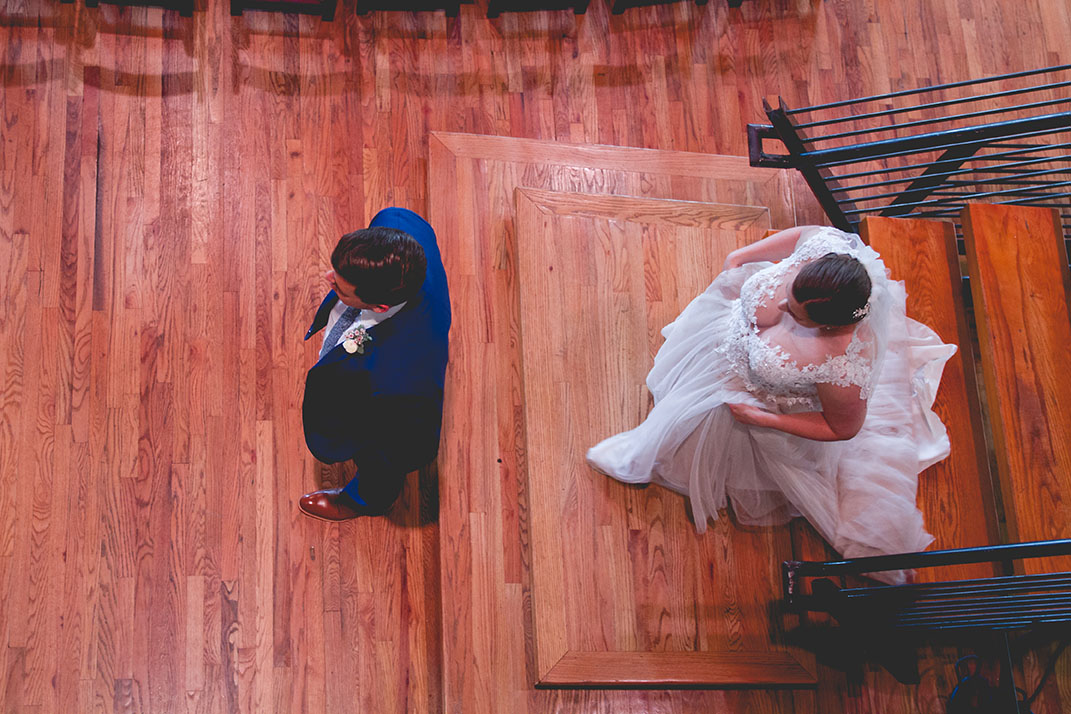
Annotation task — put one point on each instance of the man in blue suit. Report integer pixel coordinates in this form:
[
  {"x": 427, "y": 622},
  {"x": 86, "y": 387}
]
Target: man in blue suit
[{"x": 376, "y": 393}]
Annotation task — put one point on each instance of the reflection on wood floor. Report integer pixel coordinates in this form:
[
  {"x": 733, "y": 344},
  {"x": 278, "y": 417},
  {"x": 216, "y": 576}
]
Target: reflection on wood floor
[{"x": 170, "y": 189}]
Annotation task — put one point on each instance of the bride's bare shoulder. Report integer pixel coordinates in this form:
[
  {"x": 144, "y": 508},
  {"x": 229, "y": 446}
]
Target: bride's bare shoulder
[{"x": 830, "y": 346}]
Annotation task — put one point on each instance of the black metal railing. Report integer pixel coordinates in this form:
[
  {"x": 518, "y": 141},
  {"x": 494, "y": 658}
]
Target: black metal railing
[
  {"x": 965, "y": 600},
  {"x": 884, "y": 620},
  {"x": 924, "y": 153}
]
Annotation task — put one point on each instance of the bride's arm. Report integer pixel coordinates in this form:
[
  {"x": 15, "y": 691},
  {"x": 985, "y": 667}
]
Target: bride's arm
[
  {"x": 841, "y": 417},
  {"x": 773, "y": 247}
]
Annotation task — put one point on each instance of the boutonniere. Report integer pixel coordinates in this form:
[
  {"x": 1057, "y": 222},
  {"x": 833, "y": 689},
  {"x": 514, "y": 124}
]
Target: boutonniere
[{"x": 355, "y": 339}]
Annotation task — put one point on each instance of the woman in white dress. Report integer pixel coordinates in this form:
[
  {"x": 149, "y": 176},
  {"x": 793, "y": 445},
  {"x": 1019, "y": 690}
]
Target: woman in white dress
[{"x": 795, "y": 385}]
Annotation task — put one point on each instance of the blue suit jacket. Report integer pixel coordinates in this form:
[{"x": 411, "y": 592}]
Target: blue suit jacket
[{"x": 383, "y": 408}]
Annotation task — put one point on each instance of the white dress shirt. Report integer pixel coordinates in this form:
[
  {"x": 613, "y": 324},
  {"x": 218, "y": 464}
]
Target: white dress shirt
[{"x": 367, "y": 319}]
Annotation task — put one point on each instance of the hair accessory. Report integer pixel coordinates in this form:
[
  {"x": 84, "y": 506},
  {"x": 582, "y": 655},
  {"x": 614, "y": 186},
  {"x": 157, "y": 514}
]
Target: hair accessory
[{"x": 862, "y": 312}]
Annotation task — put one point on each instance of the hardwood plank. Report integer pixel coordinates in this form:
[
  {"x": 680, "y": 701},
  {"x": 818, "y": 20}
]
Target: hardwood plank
[
  {"x": 624, "y": 208},
  {"x": 1020, "y": 281},
  {"x": 955, "y": 495},
  {"x": 677, "y": 669}
]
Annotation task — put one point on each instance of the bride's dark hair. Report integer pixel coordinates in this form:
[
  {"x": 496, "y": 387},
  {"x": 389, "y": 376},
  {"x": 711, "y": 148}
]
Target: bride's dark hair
[{"x": 833, "y": 290}]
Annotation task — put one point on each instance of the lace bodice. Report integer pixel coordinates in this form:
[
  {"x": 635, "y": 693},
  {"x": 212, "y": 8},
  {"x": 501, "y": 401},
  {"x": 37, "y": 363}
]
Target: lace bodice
[{"x": 769, "y": 371}]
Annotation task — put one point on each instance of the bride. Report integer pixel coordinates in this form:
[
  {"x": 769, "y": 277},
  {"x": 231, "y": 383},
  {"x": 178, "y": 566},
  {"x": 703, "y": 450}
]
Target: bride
[{"x": 795, "y": 385}]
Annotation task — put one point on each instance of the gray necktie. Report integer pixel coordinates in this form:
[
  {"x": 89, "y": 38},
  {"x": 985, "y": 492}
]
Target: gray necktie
[{"x": 347, "y": 318}]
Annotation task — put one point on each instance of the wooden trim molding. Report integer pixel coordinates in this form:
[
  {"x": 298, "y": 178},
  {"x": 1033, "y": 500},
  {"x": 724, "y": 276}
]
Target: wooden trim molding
[
  {"x": 678, "y": 669},
  {"x": 557, "y": 663},
  {"x": 613, "y": 158}
]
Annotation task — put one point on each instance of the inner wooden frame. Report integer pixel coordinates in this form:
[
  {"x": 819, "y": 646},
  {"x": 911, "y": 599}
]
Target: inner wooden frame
[{"x": 549, "y": 302}]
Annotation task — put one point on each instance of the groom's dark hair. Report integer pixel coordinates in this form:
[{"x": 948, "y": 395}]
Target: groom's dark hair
[
  {"x": 833, "y": 290},
  {"x": 385, "y": 265}
]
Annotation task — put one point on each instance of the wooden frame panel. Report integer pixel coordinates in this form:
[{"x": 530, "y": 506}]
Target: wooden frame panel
[{"x": 586, "y": 291}]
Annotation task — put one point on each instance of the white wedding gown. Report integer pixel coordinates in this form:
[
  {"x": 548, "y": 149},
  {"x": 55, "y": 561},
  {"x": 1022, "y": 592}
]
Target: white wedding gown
[{"x": 859, "y": 493}]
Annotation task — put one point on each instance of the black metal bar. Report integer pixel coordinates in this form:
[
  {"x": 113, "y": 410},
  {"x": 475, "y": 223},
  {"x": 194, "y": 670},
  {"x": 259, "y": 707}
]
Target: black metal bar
[
  {"x": 1000, "y": 582},
  {"x": 934, "y": 558},
  {"x": 972, "y": 196},
  {"x": 1012, "y": 145},
  {"x": 947, "y": 196},
  {"x": 953, "y": 215},
  {"x": 1029, "y": 190},
  {"x": 921, "y": 187},
  {"x": 1026, "y": 604},
  {"x": 955, "y": 590},
  {"x": 1008, "y": 620},
  {"x": 933, "y": 88},
  {"x": 957, "y": 172},
  {"x": 1026, "y": 201},
  {"x": 1022, "y": 149},
  {"x": 950, "y": 187},
  {"x": 935, "y": 105},
  {"x": 912, "y": 167},
  {"x": 995, "y": 621},
  {"x": 1055, "y": 613},
  {"x": 1013, "y": 180},
  {"x": 991, "y": 618},
  {"x": 1011, "y": 174},
  {"x": 950, "y": 196},
  {"x": 963, "y": 136},
  {"x": 820, "y": 185},
  {"x": 1005, "y": 624},
  {"x": 909, "y": 152},
  {"x": 931, "y": 122},
  {"x": 1024, "y": 187},
  {"x": 954, "y": 209},
  {"x": 1014, "y": 589},
  {"x": 898, "y": 610}
]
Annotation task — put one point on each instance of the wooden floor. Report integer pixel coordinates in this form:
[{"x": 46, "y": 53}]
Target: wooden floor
[{"x": 170, "y": 189}]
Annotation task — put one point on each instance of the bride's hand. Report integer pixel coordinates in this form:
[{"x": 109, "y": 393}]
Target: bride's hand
[{"x": 747, "y": 414}]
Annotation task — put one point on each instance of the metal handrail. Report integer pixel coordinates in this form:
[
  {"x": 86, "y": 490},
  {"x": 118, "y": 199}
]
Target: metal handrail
[
  {"x": 931, "y": 105},
  {"x": 913, "y": 167},
  {"x": 933, "y": 558},
  {"x": 950, "y": 85},
  {"x": 929, "y": 164},
  {"x": 930, "y": 122},
  {"x": 958, "y": 172}
]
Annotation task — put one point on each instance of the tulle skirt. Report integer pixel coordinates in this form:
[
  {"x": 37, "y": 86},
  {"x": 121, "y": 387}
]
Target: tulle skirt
[{"x": 859, "y": 494}]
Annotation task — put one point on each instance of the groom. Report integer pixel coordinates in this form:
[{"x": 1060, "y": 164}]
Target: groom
[{"x": 375, "y": 395}]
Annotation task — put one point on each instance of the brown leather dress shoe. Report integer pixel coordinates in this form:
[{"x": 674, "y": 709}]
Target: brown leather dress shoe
[{"x": 328, "y": 505}]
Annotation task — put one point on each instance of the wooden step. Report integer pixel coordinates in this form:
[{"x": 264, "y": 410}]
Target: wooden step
[
  {"x": 955, "y": 495},
  {"x": 1020, "y": 283}
]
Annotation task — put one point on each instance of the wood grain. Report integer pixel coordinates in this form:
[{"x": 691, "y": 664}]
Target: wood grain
[
  {"x": 170, "y": 188},
  {"x": 649, "y": 558},
  {"x": 588, "y": 278},
  {"x": 1021, "y": 286},
  {"x": 676, "y": 669},
  {"x": 956, "y": 494}
]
